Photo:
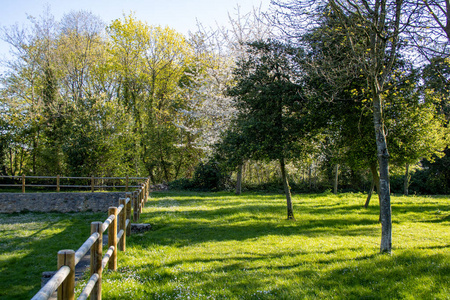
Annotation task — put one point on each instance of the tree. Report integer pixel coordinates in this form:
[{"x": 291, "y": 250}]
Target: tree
[
  {"x": 428, "y": 28},
  {"x": 58, "y": 83},
  {"x": 379, "y": 23},
  {"x": 339, "y": 97},
  {"x": 26, "y": 83},
  {"x": 209, "y": 110},
  {"x": 417, "y": 130},
  {"x": 152, "y": 63},
  {"x": 269, "y": 107}
]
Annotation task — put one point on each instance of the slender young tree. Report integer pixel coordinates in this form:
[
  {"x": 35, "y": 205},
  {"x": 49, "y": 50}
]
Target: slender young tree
[{"x": 379, "y": 22}]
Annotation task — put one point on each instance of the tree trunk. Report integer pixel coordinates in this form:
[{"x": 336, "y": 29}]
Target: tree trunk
[
  {"x": 21, "y": 160},
  {"x": 376, "y": 182},
  {"x": 258, "y": 169},
  {"x": 406, "y": 182},
  {"x": 309, "y": 177},
  {"x": 287, "y": 191},
  {"x": 152, "y": 176},
  {"x": 34, "y": 155},
  {"x": 383, "y": 159},
  {"x": 336, "y": 177},
  {"x": 369, "y": 195},
  {"x": 11, "y": 164},
  {"x": 239, "y": 179}
]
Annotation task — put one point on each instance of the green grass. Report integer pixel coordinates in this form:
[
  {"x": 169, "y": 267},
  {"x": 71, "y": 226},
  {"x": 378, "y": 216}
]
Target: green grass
[
  {"x": 29, "y": 243},
  {"x": 221, "y": 246}
]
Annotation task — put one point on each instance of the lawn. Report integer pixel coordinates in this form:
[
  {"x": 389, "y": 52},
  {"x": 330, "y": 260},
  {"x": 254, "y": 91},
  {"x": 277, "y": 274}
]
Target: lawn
[
  {"x": 222, "y": 246},
  {"x": 29, "y": 243}
]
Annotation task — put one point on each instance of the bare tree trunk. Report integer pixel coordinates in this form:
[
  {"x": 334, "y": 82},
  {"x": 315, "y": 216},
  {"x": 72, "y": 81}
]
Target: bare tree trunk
[
  {"x": 376, "y": 182},
  {"x": 287, "y": 191},
  {"x": 406, "y": 182},
  {"x": 21, "y": 160},
  {"x": 369, "y": 195},
  {"x": 152, "y": 176},
  {"x": 35, "y": 145},
  {"x": 258, "y": 169},
  {"x": 309, "y": 177},
  {"x": 11, "y": 162},
  {"x": 239, "y": 179},
  {"x": 336, "y": 177},
  {"x": 383, "y": 159}
]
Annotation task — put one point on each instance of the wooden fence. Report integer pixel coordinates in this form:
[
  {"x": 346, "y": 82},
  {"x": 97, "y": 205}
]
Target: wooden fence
[
  {"x": 94, "y": 182},
  {"x": 118, "y": 224}
]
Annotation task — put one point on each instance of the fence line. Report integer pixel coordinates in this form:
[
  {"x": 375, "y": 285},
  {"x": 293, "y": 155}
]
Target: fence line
[
  {"x": 118, "y": 225},
  {"x": 58, "y": 185}
]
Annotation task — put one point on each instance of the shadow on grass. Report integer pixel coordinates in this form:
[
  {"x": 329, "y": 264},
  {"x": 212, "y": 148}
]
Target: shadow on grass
[
  {"x": 192, "y": 233},
  {"x": 182, "y": 222},
  {"x": 406, "y": 274},
  {"x": 25, "y": 257},
  {"x": 343, "y": 271},
  {"x": 410, "y": 275}
]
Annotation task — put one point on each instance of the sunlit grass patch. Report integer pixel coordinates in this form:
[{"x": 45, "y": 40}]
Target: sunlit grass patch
[
  {"x": 221, "y": 246},
  {"x": 29, "y": 244}
]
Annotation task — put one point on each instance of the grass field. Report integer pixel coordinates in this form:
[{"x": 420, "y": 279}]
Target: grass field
[
  {"x": 221, "y": 246},
  {"x": 29, "y": 243}
]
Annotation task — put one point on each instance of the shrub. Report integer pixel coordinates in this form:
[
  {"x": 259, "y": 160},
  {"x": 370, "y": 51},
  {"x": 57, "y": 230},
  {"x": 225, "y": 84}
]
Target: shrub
[{"x": 207, "y": 177}]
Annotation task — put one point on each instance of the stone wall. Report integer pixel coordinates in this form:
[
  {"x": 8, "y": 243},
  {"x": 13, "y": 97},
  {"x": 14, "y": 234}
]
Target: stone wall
[{"x": 58, "y": 202}]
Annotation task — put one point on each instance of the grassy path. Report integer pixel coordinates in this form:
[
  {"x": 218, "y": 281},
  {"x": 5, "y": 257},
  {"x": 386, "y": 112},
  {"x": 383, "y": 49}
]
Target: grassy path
[{"x": 221, "y": 246}]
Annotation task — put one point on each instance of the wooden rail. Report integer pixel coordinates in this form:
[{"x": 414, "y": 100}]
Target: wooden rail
[
  {"x": 118, "y": 225},
  {"x": 93, "y": 182}
]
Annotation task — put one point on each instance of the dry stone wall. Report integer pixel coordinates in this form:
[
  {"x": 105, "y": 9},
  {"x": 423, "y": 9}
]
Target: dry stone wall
[{"x": 58, "y": 202}]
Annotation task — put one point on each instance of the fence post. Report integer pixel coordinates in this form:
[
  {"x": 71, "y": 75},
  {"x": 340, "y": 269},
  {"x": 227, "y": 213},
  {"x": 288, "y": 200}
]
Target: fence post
[
  {"x": 112, "y": 239},
  {"x": 126, "y": 184},
  {"x": 123, "y": 223},
  {"x": 66, "y": 289},
  {"x": 140, "y": 199},
  {"x": 57, "y": 183},
  {"x": 92, "y": 184},
  {"x": 23, "y": 183},
  {"x": 96, "y": 260},
  {"x": 145, "y": 191},
  {"x": 128, "y": 196},
  {"x": 135, "y": 207}
]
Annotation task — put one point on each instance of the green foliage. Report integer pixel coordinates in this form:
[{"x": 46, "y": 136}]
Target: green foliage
[
  {"x": 268, "y": 102},
  {"x": 144, "y": 100},
  {"x": 207, "y": 177},
  {"x": 79, "y": 102},
  {"x": 432, "y": 179},
  {"x": 181, "y": 184}
]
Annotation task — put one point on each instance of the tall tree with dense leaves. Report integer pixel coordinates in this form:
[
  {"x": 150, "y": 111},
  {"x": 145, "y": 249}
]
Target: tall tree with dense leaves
[{"x": 269, "y": 107}]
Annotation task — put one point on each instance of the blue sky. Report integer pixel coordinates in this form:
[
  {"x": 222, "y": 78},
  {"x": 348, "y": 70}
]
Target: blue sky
[{"x": 181, "y": 15}]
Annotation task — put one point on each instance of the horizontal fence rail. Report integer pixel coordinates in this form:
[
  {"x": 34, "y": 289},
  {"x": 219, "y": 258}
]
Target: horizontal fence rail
[
  {"x": 118, "y": 225},
  {"x": 92, "y": 184}
]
